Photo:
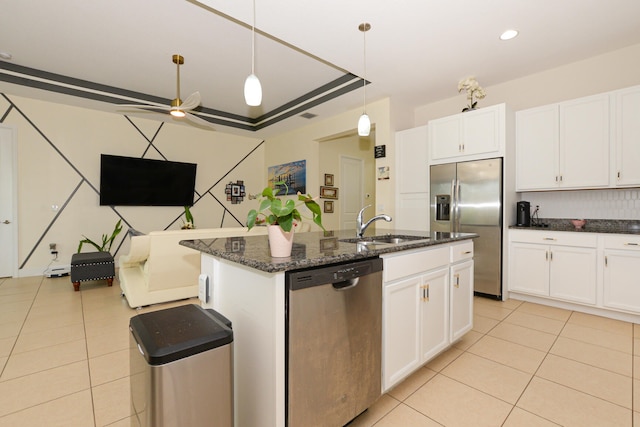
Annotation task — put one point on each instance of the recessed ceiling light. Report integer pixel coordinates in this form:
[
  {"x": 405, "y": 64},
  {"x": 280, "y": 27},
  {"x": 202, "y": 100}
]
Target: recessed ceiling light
[
  {"x": 508, "y": 35},
  {"x": 5, "y": 55}
]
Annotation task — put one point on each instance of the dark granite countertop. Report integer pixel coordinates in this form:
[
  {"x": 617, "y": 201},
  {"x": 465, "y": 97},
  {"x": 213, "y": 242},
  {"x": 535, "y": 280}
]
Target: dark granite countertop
[
  {"x": 313, "y": 248},
  {"x": 612, "y": 226}
]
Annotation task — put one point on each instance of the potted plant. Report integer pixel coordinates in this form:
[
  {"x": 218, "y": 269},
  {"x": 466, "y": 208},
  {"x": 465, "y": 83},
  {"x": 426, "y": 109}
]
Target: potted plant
[
  {"x": 473, "y": 88},
  {"x": 107, "y": 241},
  {"x": 279, "y": 216},
  {"x": 187, "y": 222}
]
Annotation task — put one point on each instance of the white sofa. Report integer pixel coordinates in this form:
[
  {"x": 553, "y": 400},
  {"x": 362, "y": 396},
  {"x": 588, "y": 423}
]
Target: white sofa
[{"x": 158, "y": 269}]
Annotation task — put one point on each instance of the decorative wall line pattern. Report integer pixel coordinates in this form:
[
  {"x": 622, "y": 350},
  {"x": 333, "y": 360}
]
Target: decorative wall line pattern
[{"x": 150, "y": 145}]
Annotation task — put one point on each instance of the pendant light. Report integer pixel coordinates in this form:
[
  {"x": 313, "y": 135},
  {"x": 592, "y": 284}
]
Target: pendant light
[
  {"x": 252, "y": 87},
  {"x": 364, "y": 123}
]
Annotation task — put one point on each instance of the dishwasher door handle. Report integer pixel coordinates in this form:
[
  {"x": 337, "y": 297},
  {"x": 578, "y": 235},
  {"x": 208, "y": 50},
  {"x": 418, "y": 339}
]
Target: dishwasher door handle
[{"x": 346, "y": 284}]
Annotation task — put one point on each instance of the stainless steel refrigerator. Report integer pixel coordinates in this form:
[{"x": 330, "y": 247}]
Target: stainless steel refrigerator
[{"x": 467, "y": 197}]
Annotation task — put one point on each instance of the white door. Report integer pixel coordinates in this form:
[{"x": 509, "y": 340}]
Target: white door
[
  {"x": 8, "y": 245},
  {"x": 352, "y": 189}
]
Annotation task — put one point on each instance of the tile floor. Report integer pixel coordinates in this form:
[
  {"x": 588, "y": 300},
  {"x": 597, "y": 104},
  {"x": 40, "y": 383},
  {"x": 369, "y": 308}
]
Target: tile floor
[{"x": 64, "y": 362}]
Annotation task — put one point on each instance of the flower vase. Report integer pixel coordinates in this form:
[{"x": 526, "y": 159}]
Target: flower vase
[{"x": 280, "y": 241}]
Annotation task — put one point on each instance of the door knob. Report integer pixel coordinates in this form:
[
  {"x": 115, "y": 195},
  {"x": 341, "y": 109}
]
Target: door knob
[{"x": 6, "y": 221}]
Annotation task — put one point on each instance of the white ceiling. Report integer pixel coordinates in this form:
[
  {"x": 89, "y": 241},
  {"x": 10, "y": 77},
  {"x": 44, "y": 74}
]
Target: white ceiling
[{"x": 417, "y": 50}]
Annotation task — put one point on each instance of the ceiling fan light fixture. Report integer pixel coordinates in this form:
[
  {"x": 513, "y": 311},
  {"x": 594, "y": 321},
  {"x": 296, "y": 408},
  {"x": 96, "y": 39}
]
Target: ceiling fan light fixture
[
  {"x": 252, "y": 91},
  {"x": 177, "y": 113}
]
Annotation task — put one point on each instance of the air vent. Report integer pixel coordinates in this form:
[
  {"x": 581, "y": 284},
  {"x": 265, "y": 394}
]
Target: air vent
[{"x": 308, "y": 115}]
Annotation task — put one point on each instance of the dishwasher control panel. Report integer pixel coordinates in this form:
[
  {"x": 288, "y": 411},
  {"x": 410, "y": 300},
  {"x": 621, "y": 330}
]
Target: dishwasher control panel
[{"x": 332, "y": 273}]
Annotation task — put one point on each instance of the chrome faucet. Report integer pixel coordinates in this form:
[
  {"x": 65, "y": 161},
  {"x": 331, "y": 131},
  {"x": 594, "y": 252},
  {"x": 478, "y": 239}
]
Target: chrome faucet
[{"x": 360, "y": 228}]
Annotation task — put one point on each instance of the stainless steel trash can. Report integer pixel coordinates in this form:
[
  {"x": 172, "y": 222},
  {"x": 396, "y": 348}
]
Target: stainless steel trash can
[{"x": 181, "y": 362}]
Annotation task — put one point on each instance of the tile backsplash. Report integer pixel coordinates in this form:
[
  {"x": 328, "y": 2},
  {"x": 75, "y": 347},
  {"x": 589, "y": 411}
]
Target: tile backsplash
[{"x": 600, "y": 204}]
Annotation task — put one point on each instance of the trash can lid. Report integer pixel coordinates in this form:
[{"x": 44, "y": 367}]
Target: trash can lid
[{"x": 175, "y": 333}]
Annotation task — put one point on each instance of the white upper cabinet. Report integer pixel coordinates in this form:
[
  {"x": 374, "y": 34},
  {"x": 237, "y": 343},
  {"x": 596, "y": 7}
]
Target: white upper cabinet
[
  {"x": 468, "y": 136},
  {"x": 563, "y": 146},
  {"x": 584, "y": 142},
  {"x": 537, "y": 152},
  {"x": 627, "y": 137}
]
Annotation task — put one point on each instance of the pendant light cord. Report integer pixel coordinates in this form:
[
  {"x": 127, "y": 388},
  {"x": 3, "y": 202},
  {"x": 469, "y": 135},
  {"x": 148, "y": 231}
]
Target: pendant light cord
[
  {"x": 364, "y": 82},
  {"x": 253, "y": 39}
]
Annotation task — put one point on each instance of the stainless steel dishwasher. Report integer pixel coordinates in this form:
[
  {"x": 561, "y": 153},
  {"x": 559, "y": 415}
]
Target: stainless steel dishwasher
[{"x": 334, "y": 342}]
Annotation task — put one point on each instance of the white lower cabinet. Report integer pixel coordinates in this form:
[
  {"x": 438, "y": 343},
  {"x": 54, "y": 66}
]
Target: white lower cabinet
[
  {"x": 461, "y": 299},
  {"x": 561, "y": 265},
  {"x": 622, "y": 273},
  {"x": 427, "y": 304},
  {"x": 597, "y": 272}
]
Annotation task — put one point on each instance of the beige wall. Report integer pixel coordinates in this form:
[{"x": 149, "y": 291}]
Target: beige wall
[
  {"x": 303, "y": 143},
  {"x": 330, "y": 153},
  {"x": 614, "y": 70},
  {"x": 59, "y": 146}
]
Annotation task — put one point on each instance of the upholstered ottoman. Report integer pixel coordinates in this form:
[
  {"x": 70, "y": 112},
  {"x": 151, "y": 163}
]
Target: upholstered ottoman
[{"x": 92, "y": 266}]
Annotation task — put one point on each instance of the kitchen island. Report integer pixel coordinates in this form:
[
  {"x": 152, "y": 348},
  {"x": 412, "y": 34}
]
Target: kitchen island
[{"x": 249, "y": 287}]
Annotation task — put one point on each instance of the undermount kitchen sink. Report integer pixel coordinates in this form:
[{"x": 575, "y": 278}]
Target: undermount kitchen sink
[{"x": 388, "y": 239}]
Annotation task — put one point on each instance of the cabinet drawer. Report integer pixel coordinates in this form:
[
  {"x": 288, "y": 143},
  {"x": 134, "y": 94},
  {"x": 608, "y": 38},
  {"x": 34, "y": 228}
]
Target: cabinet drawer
[
  {"x": 462, "y": 251},
  {"x": 565, "y": 238},
  {"x": 622, "y": 241},
  {"x": 403, "y": 264}
]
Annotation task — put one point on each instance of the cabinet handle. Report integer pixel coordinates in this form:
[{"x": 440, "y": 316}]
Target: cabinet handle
[
  {"x": 618, "y": 175},
  {"x": 425, "y": 292},
  {"x": 546, "y": 255},
  {"x": 606, "y": 261},
  {"x": 466, "y": 252},
  {"x": 556, "y": 178},
  {"x": 631, "y": 244},
  {"x": 550, "y": 255},
  {"x": 560, "y": 178},
  {"x": 462, "y": 147},
  {"x": 549, "y": 238},
  {"x": 457, "y": 284}
]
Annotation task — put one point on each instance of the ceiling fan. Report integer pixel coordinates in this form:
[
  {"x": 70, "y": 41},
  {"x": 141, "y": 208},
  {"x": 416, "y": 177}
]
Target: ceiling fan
[{"x": 178, "y": 108}]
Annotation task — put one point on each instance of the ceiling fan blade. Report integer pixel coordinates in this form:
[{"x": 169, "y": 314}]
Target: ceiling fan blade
[
  {"x": 145, "y": 107},
  {"x": 199, "y": 121},
  {"x": 191, "y": 102}
]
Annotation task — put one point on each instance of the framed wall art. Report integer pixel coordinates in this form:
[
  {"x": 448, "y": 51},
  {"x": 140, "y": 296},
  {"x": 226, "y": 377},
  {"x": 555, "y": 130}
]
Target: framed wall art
[
  {"x": 328, "y": 179},
  {"x": 293, "y": 174},
  {"x": 328, "y": 206},
  {"x": 328, "y": 192}
]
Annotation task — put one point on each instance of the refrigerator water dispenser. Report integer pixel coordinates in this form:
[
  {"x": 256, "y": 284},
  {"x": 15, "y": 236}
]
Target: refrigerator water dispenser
[{"x": 443, "y": 203}]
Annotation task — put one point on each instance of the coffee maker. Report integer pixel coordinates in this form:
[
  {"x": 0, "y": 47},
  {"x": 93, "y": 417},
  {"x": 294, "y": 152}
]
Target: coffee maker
[{"x": 523, "y": 214}]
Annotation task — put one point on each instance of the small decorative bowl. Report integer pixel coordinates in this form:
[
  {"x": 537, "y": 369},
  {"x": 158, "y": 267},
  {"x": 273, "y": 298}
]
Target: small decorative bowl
[{"x": 578, "y": 223}]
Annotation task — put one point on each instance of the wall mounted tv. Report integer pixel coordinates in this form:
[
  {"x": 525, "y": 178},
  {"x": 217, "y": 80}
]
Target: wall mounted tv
[{"x": 130, "y": 181}]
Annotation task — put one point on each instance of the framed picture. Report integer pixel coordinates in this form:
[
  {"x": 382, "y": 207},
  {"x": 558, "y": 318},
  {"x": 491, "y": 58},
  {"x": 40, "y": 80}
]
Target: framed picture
[
  {"x": 293, "y": 174},
  {"x": 328, "y": 206},
  {"x": 328, "y": 193},
  {"x": 328, "y": 179}
]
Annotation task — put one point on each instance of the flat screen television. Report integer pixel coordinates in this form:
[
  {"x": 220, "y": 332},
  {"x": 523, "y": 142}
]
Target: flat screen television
[{"x": 130, "y": 181}]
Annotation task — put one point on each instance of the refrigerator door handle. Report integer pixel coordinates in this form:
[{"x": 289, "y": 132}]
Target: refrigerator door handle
[
  {"x": 456, "y": 209},
  {"x": 454, "y": 206}
]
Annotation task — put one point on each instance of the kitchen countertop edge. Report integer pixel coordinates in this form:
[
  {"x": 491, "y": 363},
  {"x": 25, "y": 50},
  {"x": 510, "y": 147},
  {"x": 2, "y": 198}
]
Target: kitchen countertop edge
[{"x": 311, "y": 249}]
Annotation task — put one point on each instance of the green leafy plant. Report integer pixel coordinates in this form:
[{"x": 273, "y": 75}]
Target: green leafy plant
[
  {"x": 275, "y": 211},
  {"x": 107, "y": 241},
  {"x": 188, "y": 222}
]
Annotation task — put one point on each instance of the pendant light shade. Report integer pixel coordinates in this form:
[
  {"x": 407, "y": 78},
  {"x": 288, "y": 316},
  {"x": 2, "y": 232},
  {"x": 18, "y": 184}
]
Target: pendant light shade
[
  {"x": 252, "y": 86},
  {"x": 252, "y": 91},
  {"x": 364, "y": 123}
]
